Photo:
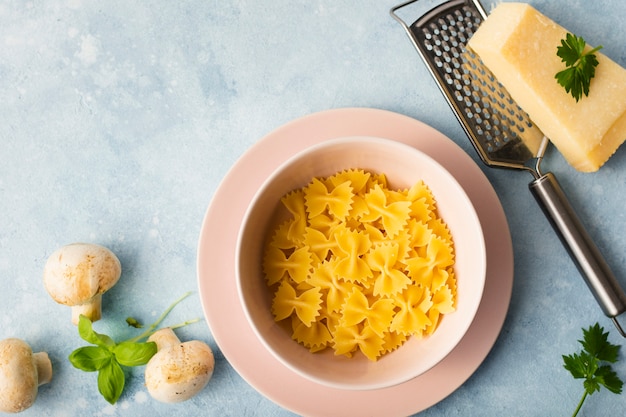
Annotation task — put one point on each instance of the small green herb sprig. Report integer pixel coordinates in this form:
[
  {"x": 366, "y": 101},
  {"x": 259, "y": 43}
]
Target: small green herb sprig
[
  {"x": 107, "y": 357},
  {"x": 580, "y": 65},
  {"x": 132, "y": 322},
  {"x": 590, "y": 363}
]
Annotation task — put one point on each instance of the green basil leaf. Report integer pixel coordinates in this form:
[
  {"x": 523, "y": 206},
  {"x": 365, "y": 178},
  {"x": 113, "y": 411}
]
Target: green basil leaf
[
  {"x": 90, "y": 358},
  {"x": 86, "y": 332},
  {"x": 111, "y": 381},
  {"x": 134, "y": 354}
]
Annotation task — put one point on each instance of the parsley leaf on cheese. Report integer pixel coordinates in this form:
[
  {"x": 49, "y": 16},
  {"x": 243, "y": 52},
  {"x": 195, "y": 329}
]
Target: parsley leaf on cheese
[{"x": 580, "y": 65}]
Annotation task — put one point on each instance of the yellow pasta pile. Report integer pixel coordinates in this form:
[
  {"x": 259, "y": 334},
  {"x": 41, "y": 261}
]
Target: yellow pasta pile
[{"x": 358, "y": 266}]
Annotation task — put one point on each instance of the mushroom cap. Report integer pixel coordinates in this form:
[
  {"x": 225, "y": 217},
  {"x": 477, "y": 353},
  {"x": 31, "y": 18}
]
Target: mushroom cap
[
  {"x": 179, "y": 372},
  {"x": 18, "y": 376},
  {"x": 77, "y": 272}
]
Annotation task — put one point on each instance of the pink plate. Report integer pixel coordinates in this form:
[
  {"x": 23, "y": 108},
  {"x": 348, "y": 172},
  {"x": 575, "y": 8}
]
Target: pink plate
[{"x": 216, "y": 269}]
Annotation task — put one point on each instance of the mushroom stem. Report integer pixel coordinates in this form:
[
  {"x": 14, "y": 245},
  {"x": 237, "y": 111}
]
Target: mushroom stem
[
  {"x": 164, "y": 338},
  {"x": 44, "y": 367},
  {"x": 92, "y": 309}
]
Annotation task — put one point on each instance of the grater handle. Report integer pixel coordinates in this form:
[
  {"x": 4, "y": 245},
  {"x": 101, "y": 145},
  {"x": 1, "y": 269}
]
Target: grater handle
[{"x": 588, "y": 259}]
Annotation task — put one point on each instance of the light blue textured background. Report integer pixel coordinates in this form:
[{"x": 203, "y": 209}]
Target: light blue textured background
[{"x": 119, "y": 119}]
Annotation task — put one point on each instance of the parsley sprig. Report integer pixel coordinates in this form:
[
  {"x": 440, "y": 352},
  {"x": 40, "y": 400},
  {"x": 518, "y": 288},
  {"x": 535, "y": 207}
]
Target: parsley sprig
[
  {"x": 580, "y": 65},
  {"x": 106, "y": 357},
  {"x": 590, "y": 363}
]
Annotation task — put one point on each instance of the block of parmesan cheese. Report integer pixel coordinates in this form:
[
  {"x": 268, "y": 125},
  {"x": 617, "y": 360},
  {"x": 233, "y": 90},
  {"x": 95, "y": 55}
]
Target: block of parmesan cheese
[{"x": 519, "y": 44}]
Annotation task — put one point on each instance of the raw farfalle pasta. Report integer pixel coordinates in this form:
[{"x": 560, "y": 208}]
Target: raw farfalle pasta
[{"x": 358, "y": 266}]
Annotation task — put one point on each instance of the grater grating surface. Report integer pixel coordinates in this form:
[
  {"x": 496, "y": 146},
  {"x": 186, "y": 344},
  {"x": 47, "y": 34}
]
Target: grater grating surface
[{"x": 499, "y": 129}]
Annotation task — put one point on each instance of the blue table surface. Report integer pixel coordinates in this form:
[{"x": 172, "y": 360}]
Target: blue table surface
[{"x": 118, "y": 121}]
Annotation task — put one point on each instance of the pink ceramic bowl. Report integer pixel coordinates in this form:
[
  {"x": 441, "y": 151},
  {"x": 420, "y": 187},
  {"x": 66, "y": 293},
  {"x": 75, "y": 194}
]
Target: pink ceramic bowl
[{"x": 403, "y": 166}]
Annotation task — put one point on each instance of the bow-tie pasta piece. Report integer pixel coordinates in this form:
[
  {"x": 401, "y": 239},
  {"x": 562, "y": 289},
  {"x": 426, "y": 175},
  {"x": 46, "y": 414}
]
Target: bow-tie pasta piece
[
  {"x": 315, "y": 337},
  {"x": 306, "y": 306},
  {"x": 338, "y": 200},
  {"x": 294, "y": 202}
]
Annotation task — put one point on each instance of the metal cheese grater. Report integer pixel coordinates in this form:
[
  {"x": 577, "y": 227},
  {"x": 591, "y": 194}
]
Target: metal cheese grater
[{"x": 502, "y": 133}]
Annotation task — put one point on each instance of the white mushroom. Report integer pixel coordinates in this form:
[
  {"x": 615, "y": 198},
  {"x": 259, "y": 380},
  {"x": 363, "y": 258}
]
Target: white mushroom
[
  {"x": 21, "y": 373},
  {"x": 178, "y": 371},
  {"x": 78, "y": 274}
]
